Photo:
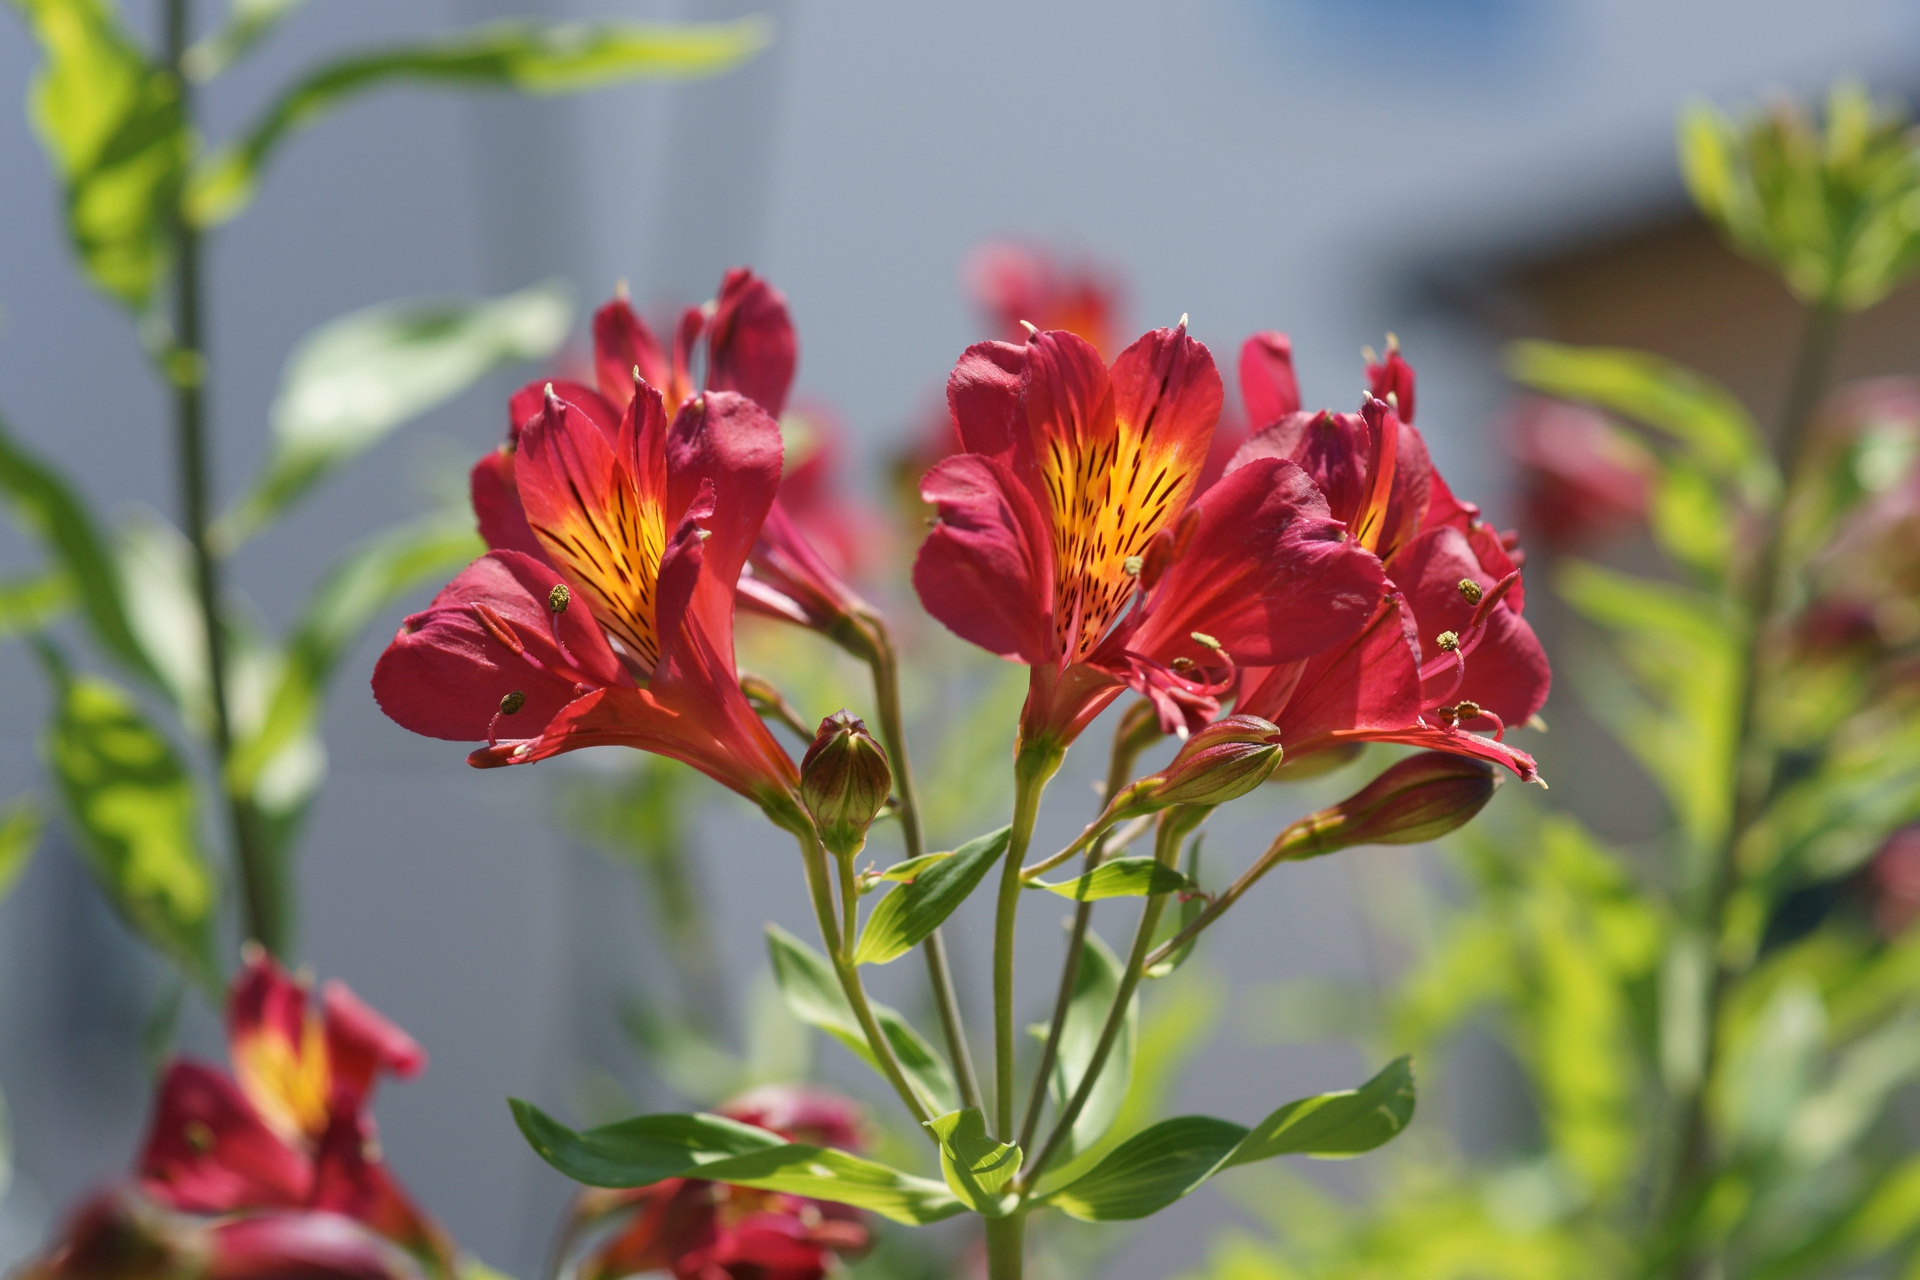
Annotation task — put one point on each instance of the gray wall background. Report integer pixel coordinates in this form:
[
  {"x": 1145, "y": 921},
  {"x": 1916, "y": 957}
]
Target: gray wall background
[{"x": 1255, "y": 163}]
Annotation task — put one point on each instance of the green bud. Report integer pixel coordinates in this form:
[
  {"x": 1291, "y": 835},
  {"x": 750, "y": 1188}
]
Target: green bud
[
  {"x": 1222, "y": 762},
  {"x": 1421, "y": 798},
  {"x": 844, "y": 782}
]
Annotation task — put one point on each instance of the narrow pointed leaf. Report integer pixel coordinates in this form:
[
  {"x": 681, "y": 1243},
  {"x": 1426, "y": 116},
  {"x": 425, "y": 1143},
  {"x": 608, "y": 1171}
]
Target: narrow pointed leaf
[
  {"x": 30, "y": 602},
  {"x": 648, "y": 1149},
  {"x": 1095, "y": 983},
  {"x": 906, "y": 915},
  {"x": 112, "y": 124},
  {"x": 977, "y": 1168},
  {"x": 49, "y": 508},
  {"x": 1120, "y": 878},
  {"x": 534, "y": 58},
  {"x": 813, "y": 994},
  {"x": 1158, "y": 1165},
  {"x": 353, "y": 381},
  {"x": 132, "y": 805}
]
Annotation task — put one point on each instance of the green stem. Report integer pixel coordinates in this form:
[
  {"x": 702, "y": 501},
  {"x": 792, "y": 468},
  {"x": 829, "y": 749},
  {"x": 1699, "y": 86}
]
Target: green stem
[
  {"x": 814, "y": 859},
  {"x": 1120, "y": 761},
  {"x": 1752, "y": 781},
  {"x": 184, "y": 364},
  {"x": 1033, "y": 766},
  {"x": 849, "y": 909},
  {"x": 1174, "y": 825},
  {"x": 1006, "y": 1247},
  {"x": 886, "y": 695}
]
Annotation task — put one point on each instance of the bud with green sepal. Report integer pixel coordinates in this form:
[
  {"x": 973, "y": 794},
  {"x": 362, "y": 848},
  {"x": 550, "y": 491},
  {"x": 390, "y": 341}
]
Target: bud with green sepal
[{"x": 844, "y": 782}]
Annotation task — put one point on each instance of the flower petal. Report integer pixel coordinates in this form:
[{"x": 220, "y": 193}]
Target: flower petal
[
  {"x": 446, "y": 672},
  {"x": 751, "y": 346},
  {"x": 496, "y": 505},
  {"x": 726, "y": 440},
  {"x": 362, "y": 1045},
  {"x": 1507, "y": 672},
  {"x": 208, "y": 1151},
  {"x": 1369, "y": 682},
  {"x": 352, "y": 1180},
  {"x": 984, "y": 401},
  {"x": 986, "y": 570},
  {"x": 1268, "y": 386},
  {"x": 1266, "y": 573},
  {"x": 623, "y": 343}
]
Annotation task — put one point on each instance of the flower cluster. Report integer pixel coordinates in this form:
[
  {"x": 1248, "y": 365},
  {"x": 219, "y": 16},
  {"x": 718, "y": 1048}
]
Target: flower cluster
[{"x": 275, "y": 1169}]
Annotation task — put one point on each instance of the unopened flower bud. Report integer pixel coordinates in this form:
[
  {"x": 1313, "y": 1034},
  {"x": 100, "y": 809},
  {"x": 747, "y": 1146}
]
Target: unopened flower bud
[
  {"x": 844, "y": 782},
  {"x": 1222, "y": 762},
  {"x": 1421, "y": 798}
]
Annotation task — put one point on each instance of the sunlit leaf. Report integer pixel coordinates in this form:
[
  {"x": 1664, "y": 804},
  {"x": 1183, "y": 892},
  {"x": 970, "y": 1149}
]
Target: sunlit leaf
[
  {"x": 813, "y": 993},
  {"x": 1157, "y": 1166},
  {"x": 649, "y": 1149},
  {"x": 30, "y": 602},
  {"x": 113, "y": 126},
  {"x": 20, "y": 824},
  {"x": 163, "y": 605},
  {"x": 350, "y": 383},
  {"x": 906, "y": 915},
  {"x": 1120, "y": 878},
  {"x": 49, "y": 508},
  {"x": 1701, "y": 415},
  {"x": 132, "y": 806},
  {"x": 976, "y": 1167},
  {"x": 535, "y": 58}
]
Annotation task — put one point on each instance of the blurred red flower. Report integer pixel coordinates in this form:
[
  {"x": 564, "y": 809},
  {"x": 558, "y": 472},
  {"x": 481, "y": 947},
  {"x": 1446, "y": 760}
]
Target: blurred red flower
[{"x": 1581, "y": 478}]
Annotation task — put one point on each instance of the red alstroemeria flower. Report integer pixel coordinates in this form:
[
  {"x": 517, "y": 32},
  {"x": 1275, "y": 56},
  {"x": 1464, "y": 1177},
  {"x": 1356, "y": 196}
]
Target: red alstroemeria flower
[
  {"x": 290, "y": 1129},
  {"x": 1014, "y": 284},
  {"x": 1067, "y": 538},
  {"x": 751, "y": 348},
  {"x": 701, "y": 1230},
  {"x": 1447, "y": 648},
  {"x": 621, "y": 631}
]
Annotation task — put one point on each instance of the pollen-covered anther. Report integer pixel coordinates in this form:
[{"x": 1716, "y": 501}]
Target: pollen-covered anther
[
  {"x": 559, "y": 598},
  {"x": 1132, "y": 565},
  {"x": 1206, "y": 641},
  {"x": 1183, "y": 665},
  {"x": 1467, "y": 710},
  {"x": 1448, "y": 640},
  {"x": 1471, "y": 591},
  {"x": 512, "y": 703}
]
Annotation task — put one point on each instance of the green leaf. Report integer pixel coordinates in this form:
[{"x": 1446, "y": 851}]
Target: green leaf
[
  {"x": 977, "y": 1168},
  {"x": 903, "y": 919},
  {"x": 113, "y": 126},
  {"x": 351, "y": 382},
  {"x": 1120, "y": 878},
  {"x": 1159, "y": 1165},
  {"x": 366, "y": 581},
  {"x": 30, "y": 602},
  {"x": 47, "y": 507},
  {"x": 649, "y": 1149},
  {"x": 133, "y": 809},
  {"x": 535, "y": 58},
  {"x": 163, "y": 604},
  {"x": 1700, "y": 414},
  {"x": 1095, "y": 983},
  {"x": 813, "y": 993},
  {"x": 20, "y": 824}
]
